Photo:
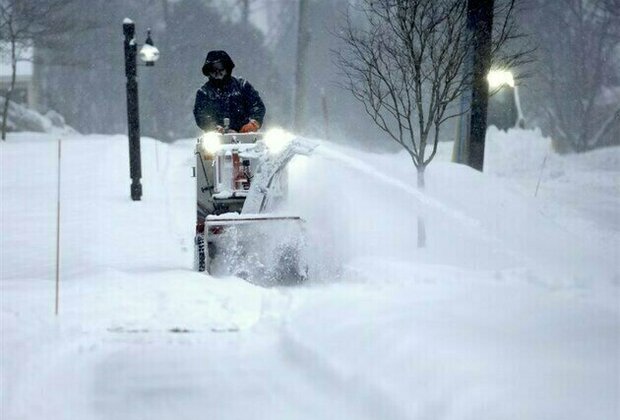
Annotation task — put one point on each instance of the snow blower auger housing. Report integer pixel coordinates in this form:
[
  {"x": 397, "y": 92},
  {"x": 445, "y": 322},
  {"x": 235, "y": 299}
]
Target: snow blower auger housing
[{"x": 241, "y": 180}]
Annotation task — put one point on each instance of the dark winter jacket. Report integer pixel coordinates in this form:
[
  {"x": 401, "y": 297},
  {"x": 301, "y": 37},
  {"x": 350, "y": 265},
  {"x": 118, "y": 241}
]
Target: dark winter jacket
[{"x": 233, "y": 98}]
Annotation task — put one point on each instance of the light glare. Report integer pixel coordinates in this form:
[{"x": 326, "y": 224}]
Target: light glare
[
  {"x": 211, "y": 143},
  {"x": 277, "y": 139},
  {"x": 498, "y": 78}
]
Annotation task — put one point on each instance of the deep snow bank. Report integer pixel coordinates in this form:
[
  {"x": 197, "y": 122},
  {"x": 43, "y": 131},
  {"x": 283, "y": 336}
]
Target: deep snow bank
[{"x": 501, "y": 316}]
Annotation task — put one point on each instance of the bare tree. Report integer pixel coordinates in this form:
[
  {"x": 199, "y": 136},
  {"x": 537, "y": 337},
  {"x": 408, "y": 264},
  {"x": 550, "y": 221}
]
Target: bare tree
[
  {"x": 241, "y": 10},
  {"x": 404, "y": 68},
  {"x": 281, "y": 18},
  {"x": 245, "y": 11},
  {"x": 303, "y": 43},
  {"x": 612, "y": 6},
  {"x": 578, "y": 40},
  {"x": 405, "y": 64},
  {"x": 24, "y": 23}
]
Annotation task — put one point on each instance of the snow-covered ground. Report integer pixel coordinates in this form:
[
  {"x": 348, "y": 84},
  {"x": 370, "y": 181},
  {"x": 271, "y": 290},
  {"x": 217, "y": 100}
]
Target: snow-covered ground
[{"x": 512, "y": 311}]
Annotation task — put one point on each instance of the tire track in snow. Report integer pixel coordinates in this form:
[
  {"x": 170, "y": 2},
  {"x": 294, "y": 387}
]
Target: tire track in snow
[
  {"x": 169, "y": 175},
  {"x": 52, "y": 383},
  {"x": 364, "y": 399}
]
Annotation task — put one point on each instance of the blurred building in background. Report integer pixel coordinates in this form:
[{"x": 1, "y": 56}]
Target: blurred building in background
[{"x": 25, "y": 89}]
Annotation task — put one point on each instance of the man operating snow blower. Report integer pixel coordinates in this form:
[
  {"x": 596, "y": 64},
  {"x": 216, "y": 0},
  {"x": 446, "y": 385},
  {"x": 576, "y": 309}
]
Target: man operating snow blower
[
  {"x": 241, "y": 183},
  {"x": 226, "y": 96}
]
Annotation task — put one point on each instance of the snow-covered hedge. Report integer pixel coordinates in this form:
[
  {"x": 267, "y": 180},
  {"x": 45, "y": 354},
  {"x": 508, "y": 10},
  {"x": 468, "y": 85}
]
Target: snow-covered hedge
[{"x": 21, "y": 118}]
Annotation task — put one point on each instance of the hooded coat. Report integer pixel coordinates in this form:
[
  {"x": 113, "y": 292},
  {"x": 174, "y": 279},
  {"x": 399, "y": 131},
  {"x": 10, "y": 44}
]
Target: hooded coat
[{"x": 232, "y": 97}]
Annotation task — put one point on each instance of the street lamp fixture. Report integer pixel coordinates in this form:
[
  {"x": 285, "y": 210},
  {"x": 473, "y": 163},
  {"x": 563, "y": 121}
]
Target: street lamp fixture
[
  {"x": 504, "y": 104},
  {"x": 149, "y": 55},
  {"x": 498, "y": 78}
]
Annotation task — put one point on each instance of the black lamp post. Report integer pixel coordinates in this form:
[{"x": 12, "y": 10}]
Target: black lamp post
[{"x": 149, "y": 54}]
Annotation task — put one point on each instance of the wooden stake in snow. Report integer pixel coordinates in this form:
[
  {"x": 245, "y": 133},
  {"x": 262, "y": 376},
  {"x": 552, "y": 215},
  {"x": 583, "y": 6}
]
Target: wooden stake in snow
[
  {"x": 542, "y": 167},
  {"x": 325, "y": 114},
  {"x": 58, "y": 232}
]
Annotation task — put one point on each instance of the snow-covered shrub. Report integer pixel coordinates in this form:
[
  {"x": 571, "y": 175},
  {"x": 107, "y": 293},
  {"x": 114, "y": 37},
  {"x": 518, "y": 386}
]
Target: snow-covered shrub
[{"x": 21, "y": 118}]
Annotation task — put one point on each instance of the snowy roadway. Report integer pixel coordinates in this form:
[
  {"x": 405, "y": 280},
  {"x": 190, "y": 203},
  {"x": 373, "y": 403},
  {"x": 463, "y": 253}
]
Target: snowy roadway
[{"x": 511, "y": 312}]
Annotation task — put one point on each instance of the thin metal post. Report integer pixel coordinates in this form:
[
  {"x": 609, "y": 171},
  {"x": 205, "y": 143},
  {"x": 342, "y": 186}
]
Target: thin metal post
[
  {"x": 542, "y": 167},
  {"x": 57, "y": 297},
  {"x": 133, "y": 115},
  {"x": 325, "y": 114}
]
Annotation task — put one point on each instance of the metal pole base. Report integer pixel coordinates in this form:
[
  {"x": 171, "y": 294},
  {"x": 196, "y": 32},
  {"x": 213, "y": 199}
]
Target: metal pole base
[{"x": 136, "y": 190}]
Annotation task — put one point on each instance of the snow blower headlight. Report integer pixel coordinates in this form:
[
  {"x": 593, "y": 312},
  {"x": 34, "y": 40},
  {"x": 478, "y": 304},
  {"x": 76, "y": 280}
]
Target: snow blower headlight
[
  {"x": 211, "y": 143},
  {"x": 277, "y": 139}
]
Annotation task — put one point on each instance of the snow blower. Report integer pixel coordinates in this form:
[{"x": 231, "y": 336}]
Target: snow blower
[{"x": 241, "y": 181}]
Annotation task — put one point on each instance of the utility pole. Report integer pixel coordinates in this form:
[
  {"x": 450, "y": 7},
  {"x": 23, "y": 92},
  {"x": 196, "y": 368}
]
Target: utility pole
[
  {"x": 303, "y": 41},
  {"x": 469, "y": 145},
  {"x": 133, "y": 114}
]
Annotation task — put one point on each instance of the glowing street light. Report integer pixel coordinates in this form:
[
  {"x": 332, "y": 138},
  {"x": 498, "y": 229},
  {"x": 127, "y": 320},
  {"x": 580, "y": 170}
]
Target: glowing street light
[
  {"x": 499, "y": 78},
  {"x": 149, "y": 53},
  {"x": 504, "y": 103}
]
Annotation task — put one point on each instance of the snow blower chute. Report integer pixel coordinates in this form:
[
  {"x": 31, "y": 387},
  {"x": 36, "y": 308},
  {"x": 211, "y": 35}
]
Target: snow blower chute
[{"x": 241, "y": 180}]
